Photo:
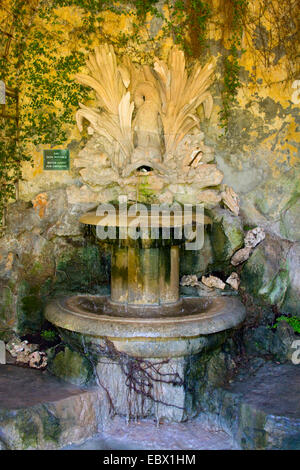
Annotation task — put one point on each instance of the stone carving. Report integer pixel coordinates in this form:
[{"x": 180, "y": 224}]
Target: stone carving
[{"x": 147, "y": 117}]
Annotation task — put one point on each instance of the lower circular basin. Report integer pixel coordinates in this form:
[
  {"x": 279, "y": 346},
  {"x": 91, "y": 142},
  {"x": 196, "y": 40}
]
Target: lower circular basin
[{"x": 148, "y": 331}]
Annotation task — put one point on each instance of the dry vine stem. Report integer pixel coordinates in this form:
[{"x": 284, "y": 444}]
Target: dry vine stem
[{"x": 140, "y": 374}]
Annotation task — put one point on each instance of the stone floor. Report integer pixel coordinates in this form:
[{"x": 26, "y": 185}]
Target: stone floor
[{"x": 146, "y": 435}]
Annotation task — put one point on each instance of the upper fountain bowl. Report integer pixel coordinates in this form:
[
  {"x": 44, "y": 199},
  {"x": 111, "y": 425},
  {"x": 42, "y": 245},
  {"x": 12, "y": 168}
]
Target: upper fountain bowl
[{"x": 148, "y": 331}]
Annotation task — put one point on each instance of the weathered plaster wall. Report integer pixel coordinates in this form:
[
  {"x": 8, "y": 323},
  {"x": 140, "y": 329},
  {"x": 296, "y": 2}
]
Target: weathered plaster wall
[{"x": 259, "y": 156}]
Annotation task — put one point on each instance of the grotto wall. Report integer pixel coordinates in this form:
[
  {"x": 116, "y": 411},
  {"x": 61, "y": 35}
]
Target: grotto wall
[{"x": 43, "y": 249}]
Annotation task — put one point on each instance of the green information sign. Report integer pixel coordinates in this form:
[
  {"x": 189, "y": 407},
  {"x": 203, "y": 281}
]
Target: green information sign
[{"x": 56, "y": 159}]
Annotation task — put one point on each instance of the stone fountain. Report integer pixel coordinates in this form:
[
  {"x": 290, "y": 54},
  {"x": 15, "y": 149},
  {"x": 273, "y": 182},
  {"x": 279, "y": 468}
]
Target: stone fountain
[{"x": 146, "y": 146}]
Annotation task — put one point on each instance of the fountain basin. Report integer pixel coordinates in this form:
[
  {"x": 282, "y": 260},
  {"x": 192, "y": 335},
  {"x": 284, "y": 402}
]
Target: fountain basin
[{"x": 173, "y": 330}]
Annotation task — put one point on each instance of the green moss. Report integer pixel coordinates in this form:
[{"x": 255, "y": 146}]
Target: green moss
[
  {"x": 6, "y": 309},
  {"x": 294, "y": 322},
  {"x": 28, "y": 429},
  {"x": 51, "y": 426},
  {"x": 29, "y": 309},
  {"x": 72, "y": 367},
  {"x": 253, "y": 273},
  {"x": 274, "y": 292},
  {"x": 265, "y": 279},
  {"x": 145, "y": 193},
  {"x": 48, "y": 335},
  {"x": 82, "y": 270}
]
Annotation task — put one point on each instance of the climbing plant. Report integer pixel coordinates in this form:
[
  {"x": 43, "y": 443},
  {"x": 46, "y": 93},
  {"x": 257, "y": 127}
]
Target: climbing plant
[
  {"x": 188, "y": 21},
  {"x": 231, "y": 82}
]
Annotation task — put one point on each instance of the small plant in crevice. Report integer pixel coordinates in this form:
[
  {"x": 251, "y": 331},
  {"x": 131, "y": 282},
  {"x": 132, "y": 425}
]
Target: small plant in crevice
[
  {"x": 294, "y": 322},
  {"x": 48, "y": 335}
]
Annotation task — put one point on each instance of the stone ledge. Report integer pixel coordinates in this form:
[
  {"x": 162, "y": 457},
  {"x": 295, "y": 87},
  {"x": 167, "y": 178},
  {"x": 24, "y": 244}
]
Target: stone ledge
[
  {"x": 261, "y": 408},
  {"x": 38, "y": 411}
]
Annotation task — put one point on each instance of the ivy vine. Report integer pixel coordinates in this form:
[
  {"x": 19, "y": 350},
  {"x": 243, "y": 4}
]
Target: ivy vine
[
  {"x": 188, "y": 24},
  {"x": 231, "y": 83}
]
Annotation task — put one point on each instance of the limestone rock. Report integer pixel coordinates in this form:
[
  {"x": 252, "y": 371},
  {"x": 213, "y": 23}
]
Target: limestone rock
[
  {"x": 227, "y": 235},
  {"x": 213, "y": 281},
  {"x": 82, "y": 195},
  {"x": 276, "y": 342},
  {"x": 2, "y": 352},
  {"x": 290, "y": 222},
  {"x": 26, "y": 353},
  {"x": 265, "y": 275},
  {"x": 231, "y": 200},
  {"x": 21, "y": 217},
  {"x": 15, "y": 347},
  {"x": 189, "y": 280},
  {"x": 233, "y": 280},
  {"x": 38, "y": 360},
  {"x": 291, "y": 300},
  {"x": 72, "y": 367},
  {"x": 254, "y": 237},
  {"x": 241, "y": 256}
]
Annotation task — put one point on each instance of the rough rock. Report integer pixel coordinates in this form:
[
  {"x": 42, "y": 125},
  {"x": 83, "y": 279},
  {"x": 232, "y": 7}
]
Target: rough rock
[
  {"x": 231, "y": 200},
  {"x": 280, "y": 193},
  {"x": 291, "y": 301},
  {"x": 255, "y": 409},
  {"x": 38, "y": 411},
  {"x": 233, "y": 280},
  {"x": 71, "y": 367},
  {"x": 270, "y": 203},
  {"x": 21, "y": 217},
  {"x": 38, "y": 360},
  {"x": 227, "y": 235},
  {"x": 82, "y": 195},
  {"x": 290, "y": 222},
  {"x": 213, "y": 282},
  {"x": 50, "y": 206},
  {"x": 241, "y": 256},
  {"x": 273, "y": 342},
  {"x": 265, "y": 275},
  {"x": 254, "y": 237},
  {"x": 189, "y": 280}
]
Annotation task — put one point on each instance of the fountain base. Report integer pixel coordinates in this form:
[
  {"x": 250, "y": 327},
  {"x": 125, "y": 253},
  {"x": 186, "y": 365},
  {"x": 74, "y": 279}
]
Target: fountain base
[{"x": 151, "y": 345}]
